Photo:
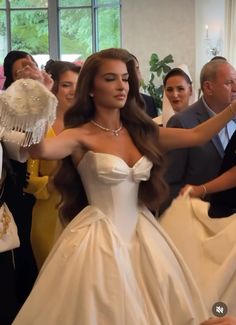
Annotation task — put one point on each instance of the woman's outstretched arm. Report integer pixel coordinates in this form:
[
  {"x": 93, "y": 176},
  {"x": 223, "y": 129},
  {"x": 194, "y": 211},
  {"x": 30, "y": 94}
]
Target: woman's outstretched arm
[
  {"x": 64, "y": 144},
  {"x": 173, "y": 138}
]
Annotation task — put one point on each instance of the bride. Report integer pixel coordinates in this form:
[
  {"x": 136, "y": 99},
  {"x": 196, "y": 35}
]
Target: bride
[{"x": 114, "y": 264}]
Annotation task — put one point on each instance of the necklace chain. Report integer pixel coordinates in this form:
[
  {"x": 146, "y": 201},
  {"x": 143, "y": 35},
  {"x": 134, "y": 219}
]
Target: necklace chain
[{"x": 115, "y": 132}]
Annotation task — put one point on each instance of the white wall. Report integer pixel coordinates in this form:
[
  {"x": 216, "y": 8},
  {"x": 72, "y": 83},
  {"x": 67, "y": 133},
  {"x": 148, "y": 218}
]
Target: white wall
[
  {"x": 160, "y": 26},
  {"x": 174, "y": 27},
  {"x": 211, "y": 13}
]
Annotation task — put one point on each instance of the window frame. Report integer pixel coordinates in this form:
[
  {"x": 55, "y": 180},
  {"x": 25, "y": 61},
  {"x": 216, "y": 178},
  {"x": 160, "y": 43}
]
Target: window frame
[{"x": 53, "y": 9}]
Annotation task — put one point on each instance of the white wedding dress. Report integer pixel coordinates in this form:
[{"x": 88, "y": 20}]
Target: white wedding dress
[
  {"x": 113, "y": 264},
  {"x": 208, "y": 246}
]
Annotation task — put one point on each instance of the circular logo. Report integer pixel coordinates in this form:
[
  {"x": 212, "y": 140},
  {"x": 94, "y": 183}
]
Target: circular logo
[{"x": 219, "y": 309}]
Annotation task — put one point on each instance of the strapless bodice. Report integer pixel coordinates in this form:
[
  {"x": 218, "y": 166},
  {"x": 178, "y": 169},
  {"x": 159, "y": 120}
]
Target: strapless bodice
[
  {"x": 116, "y": 260},
  {"x": 112, "y": 186}
]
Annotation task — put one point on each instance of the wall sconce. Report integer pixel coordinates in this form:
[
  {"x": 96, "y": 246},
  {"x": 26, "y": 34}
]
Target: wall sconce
[
  {"x": 213, "y": 46},
  {"x": 206, "y": 28}
]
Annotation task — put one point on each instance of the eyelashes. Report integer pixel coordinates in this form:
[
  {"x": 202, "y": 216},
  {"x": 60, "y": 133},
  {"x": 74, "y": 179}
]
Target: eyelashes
[{"x": 114, "y": 79}]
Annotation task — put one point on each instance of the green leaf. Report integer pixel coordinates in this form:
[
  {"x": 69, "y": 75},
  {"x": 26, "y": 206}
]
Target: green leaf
[
  {"x": 168, "y": 59},
  {"x": 166, "y": 68},
  {"x": 158, "y": 68}
]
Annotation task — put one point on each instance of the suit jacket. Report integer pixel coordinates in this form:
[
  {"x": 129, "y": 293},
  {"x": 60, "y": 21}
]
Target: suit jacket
[
  {"x": 194, "y": 165},
  {"x": 151, "y": 108},
  {"x": 222, "y": 204}
]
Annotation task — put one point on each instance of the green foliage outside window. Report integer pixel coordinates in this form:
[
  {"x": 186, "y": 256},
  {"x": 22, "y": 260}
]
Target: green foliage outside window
[
  {"x": 76, "y": 32},
  {"x": 29, "y": 26},
  {"x": 30, "y": 31}
]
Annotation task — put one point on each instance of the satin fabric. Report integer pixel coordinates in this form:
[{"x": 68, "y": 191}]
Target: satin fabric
[
  {"x": 113, "y": 264},
  {"x": 208, "y": 246}
]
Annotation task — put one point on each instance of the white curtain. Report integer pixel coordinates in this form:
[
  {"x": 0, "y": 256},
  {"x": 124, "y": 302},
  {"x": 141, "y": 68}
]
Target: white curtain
[{"x": 230, "y": 31}]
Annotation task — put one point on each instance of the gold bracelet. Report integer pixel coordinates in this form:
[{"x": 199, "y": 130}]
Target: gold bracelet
[{"x": 204, "y": 191}]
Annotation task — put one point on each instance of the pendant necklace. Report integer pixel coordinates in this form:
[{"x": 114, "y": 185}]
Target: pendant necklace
[{"x": 115, "y": 132}]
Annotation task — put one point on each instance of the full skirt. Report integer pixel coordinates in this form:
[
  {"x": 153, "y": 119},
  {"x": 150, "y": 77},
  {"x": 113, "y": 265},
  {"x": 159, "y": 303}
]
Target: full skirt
[{"x": 92, "y": 277}]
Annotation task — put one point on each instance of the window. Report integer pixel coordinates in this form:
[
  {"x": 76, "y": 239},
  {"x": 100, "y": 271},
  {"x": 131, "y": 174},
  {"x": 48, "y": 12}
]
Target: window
[{"x": 62, "y": 29}]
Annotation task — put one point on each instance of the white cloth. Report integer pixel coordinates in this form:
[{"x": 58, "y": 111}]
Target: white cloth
[
  {"x": 208, "y": 247},
  {"x": 113, "y": 264},
  {"x": 27, "y": 106},
  {"x": 12, "y": 142}
]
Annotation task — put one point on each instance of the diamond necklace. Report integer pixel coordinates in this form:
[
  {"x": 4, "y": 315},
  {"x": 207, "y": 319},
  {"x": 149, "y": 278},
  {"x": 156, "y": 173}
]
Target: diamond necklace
[{"x": 115, "y": 132}]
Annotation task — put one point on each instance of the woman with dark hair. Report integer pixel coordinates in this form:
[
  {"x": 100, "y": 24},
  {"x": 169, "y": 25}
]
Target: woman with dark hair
[
  {"x": 46, "y": 225},
  {"x": 178, "y": 89},
  {"x": 178, "y": 93},
  {"x": 22, "y": 266},
  {"x": 19, "y": 203},
  {"x": 12, "y": 64},
  {"x": 113, "y": 264}
]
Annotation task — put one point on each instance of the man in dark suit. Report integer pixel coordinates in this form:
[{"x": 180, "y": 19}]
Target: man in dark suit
[
  {"x": 200, "y": 164},
  {"x": 150, "y": 105}
]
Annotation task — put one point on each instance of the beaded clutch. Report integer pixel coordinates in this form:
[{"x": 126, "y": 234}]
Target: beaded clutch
[
  {"x": 27, "y": 106},
  {"x": 9, "y": 238}
]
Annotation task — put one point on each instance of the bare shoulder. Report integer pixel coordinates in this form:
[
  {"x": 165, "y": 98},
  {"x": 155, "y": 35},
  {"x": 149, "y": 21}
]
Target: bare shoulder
[
  {"x": 83, "y": 136},
  {"x": 78, "y": 134}
]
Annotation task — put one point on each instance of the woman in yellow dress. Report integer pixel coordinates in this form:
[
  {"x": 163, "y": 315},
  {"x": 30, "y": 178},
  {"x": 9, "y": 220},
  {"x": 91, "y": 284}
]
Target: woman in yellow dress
[{"x": 46, "y": 225}]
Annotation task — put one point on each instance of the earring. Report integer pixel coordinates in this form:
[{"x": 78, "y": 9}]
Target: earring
[{"x": 91, "y": 94}]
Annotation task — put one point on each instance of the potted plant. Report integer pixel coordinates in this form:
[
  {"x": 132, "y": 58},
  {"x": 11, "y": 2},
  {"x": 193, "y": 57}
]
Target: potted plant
[{"x": 154, "y": 86}]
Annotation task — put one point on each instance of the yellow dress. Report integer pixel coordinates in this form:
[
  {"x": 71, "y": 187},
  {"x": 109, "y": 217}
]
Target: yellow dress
[{"x": 45, "y": 221}]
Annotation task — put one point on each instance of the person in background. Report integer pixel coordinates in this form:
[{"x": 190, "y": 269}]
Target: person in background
[
  {"x": 210, "y": 227},
  {"x": 178, "y": 93},
  {"x": 178, "y": 89},
  {"x": 150, "y": 105},
  {"x": 46, "y": 225},
  {"x": 114, "y": 250},
  {"x": 20, "y": 64},
  {"x": 218, "y": 57},
  {"x": 222, "y": 189},
  {"x": 198, "y": 165},
  {"x": 9, "y": 304},
  {"x": 14, "y": 261}
]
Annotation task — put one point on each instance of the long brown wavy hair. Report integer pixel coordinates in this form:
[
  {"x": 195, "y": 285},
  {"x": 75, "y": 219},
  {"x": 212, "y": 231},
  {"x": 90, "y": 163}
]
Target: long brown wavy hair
[
  {"x": 57, "y": 68},
  {"x": 143, "y": 131}
]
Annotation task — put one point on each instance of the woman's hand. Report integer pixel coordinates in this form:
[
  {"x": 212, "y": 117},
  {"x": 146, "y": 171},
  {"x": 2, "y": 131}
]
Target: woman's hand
[
  {"x": 47, "y": 80},
  {"x": 198, "y": 191},
  {"x": 31, "y": 71},
  {"x": 220, "y": 321}
]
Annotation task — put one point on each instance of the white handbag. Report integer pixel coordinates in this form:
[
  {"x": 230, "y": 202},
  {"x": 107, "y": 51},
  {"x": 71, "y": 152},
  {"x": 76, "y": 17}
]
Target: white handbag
[{"x": 9, "y": 238}]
